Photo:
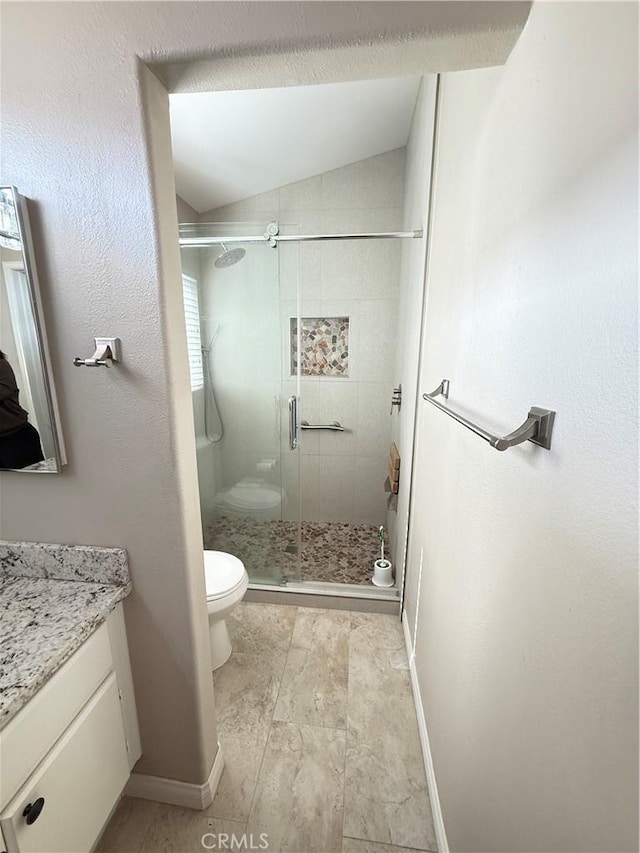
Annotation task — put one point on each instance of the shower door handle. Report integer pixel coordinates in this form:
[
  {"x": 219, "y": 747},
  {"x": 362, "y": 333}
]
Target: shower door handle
[{"x": 293, "y": 422}]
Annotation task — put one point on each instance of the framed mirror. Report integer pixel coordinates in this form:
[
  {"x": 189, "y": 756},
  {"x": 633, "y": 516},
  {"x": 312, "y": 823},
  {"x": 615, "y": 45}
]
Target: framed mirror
[{"x": 30, "y": 435}]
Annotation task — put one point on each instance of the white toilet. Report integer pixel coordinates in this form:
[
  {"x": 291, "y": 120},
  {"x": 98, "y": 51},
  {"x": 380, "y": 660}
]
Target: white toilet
[{"x": 226, "y": 580}]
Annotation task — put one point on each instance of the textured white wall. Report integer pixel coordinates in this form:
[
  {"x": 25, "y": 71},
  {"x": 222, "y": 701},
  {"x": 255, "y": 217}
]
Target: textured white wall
[
  {"x": 342, "y": 473},
  {"x": 74, "y": 141},
  {"x": 418, "y": 38},
  {"x": 527, "y": 643}
]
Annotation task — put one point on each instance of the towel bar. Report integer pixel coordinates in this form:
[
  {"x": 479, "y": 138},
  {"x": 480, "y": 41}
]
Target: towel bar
[{"x": 537, "y": 428}]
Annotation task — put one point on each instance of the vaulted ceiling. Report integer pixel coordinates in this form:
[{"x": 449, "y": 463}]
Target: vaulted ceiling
[{"x": 232, "y": 145}]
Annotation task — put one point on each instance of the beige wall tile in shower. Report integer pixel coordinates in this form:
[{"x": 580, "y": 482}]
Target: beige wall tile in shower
[
  {"x": 300, "y": 263},
  {"x": 309, "y": 411},
  {"x": 375, "y": 182},
  {"x": 309, "y": 487},
  {"x": 361, "y": 269},
  {"x": 376, "y": 339},
  {"x": 336, "y": 488},
  {"x": 237, "y": 211},
  {"x": 370, "y": 498},
  {"x": 302, "y": 195},
  {"x": 373, "y": 419},
  {"x": 267, "y": 204},
  {"x": 289, "y": 271},
  {"x": 290, "y": 468},
  {"x": 337, "y": 402}
]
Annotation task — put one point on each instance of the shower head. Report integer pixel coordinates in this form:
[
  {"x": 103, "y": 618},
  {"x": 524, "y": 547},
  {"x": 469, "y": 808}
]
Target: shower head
[{"x": 229, "y": 257}]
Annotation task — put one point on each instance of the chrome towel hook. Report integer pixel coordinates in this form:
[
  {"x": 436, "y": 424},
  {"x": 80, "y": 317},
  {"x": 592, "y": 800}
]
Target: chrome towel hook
[{"x": 107, "y": 351}]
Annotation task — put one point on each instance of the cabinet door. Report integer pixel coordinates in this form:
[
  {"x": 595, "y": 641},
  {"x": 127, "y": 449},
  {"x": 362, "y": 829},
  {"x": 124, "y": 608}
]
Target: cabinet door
[
  {"x": 80, "y": 780},
  {"x": 32, "y": 733}
]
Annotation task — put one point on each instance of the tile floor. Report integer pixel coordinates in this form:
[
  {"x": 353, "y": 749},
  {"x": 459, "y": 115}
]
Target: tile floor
[
  {"x": 321, "y": 744},
  {"x": 333, "y": 552}
]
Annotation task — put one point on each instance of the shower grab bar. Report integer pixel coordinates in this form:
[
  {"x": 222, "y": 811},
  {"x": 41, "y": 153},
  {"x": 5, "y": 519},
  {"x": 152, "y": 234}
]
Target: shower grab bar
[
  {"x": 335, "y": 426},
  {"x": 537, "y": 428}
]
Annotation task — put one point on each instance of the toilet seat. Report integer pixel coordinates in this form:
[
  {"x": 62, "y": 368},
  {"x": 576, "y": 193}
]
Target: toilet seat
[{"x": 223, "y": 574}]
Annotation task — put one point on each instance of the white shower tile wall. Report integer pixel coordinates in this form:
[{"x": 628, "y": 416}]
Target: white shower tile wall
[{"x": 342, "y": 474}]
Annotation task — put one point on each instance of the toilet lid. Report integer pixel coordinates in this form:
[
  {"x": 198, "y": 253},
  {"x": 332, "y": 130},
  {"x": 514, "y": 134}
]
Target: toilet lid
[{"x": 222, "y": 573}]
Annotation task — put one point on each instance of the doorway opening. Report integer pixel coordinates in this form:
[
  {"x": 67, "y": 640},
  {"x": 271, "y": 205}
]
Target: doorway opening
[{"x": 297, "y": 298}]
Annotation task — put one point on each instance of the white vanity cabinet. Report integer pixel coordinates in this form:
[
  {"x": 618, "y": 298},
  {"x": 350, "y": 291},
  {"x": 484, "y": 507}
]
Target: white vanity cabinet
[{"x": 67, "y": 754}]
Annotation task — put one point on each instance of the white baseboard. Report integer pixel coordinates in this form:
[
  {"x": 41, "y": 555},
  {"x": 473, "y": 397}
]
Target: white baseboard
[
  {"x": 438, "y": 821},
  {"x": 175, "y": 792}
]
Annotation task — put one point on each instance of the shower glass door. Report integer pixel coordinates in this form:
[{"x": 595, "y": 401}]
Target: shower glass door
[{"x": 245, "y": 387}]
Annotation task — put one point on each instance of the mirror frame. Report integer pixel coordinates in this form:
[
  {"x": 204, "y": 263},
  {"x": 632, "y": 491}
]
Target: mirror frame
[{"x": 28, "y": 261}]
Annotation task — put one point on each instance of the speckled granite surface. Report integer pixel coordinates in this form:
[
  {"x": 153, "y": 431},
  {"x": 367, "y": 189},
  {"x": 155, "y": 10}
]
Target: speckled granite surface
[
  {"x": 64, "y": 562},
  {"x": 47, "y": 610}
]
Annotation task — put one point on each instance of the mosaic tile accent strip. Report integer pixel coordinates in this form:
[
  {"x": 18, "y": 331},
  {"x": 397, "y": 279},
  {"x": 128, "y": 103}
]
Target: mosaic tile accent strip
[
  {"x": 331, "y": 551},
  {"x": 64, "y": 562},
  {"x": 324, "y": 342}
]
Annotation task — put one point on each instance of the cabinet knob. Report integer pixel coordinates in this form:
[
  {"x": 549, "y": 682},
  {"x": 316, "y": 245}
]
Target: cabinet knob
[{"x": 32, "y": 810}]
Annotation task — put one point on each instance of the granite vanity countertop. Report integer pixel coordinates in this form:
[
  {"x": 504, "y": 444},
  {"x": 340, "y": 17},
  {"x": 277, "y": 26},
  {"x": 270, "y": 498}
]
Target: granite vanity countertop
[{"x": 43, "y": 621}]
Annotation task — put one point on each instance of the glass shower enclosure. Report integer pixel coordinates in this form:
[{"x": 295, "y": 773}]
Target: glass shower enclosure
[{"x": 242, "y": 308}]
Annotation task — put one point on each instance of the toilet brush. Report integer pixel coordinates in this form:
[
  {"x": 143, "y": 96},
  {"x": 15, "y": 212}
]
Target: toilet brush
[{"x": 382, "y": 569}]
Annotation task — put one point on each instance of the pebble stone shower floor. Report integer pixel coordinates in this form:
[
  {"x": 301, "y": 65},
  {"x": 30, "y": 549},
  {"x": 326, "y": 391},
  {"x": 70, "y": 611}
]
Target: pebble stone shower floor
[
  {"x": 331, "y": 551},
  {"x": 320, "y": 739}
]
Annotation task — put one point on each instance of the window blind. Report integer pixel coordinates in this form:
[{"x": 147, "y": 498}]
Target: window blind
[{"x": 192, "y": 322}]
